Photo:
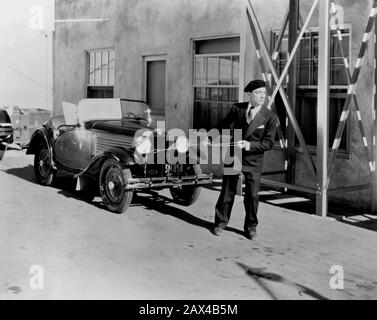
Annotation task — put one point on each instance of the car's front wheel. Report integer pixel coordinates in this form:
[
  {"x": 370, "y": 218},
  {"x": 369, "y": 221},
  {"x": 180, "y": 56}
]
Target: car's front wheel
[
  {"x": 187, "y": 195},
  {"x": 43, "y": 169},
  {"x": 112, "y": 181}
]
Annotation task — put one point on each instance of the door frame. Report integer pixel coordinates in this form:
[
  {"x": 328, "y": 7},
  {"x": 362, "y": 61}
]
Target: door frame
[{"x": 149, "y": 58}]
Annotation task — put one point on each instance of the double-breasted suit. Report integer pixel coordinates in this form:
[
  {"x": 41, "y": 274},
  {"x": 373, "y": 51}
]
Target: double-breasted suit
[{"x": 260, "y": 133}]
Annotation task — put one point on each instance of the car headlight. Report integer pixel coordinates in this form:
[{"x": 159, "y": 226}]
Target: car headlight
[
  {"x": 143, "y": 144},
  {"x": 182, "y": 144}
]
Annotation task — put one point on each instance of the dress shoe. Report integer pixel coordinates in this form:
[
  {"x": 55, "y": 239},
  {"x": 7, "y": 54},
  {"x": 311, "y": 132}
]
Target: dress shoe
[
  {"x": 217, "y": 231},
  {"x": 252, "y": 234}
]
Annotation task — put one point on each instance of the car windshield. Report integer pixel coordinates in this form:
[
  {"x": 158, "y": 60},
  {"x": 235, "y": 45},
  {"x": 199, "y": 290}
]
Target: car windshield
[
  {"x": 105, "y": 109},
  {"x": 134, "y": 109}
]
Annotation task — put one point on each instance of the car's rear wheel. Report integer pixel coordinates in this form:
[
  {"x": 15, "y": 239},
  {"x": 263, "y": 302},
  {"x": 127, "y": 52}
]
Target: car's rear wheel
[
  {"x": 112, "y": 181},
  {"x": 43, "y": 169},
  {"x": 187, "y": 195}
]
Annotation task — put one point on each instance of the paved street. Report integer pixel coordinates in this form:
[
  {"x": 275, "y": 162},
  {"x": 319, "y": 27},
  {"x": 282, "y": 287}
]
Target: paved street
[{"x": 160, "y": 250}]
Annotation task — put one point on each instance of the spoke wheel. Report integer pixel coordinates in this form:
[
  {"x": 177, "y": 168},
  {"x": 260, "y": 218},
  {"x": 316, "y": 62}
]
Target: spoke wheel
[
  {"x": 43, "y": 169},
  {"x": 187, "y": 195},
  {"x": 112, "y": 181}
]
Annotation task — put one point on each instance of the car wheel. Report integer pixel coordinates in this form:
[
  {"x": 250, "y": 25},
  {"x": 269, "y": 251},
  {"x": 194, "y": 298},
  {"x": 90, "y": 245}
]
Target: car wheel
[
  {"x": 187, "y": 195},
  {"x": 43, "y": 170},
  {"x": 112, "y": 180}
]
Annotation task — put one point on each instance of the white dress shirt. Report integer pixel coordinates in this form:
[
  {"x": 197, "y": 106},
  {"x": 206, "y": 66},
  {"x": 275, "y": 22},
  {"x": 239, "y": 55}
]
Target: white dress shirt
[{"x": 254, "y": 111}]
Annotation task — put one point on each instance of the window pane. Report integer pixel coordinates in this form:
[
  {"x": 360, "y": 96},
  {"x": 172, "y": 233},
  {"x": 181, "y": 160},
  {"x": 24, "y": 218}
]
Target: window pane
[
  {"x": 307, "y": 118},
  {"x": 91, "y": 68},
  {"x": 100, "y": 92},
  {"x": 215, "y": 80},
  {"x": 200, "y": 71},
  {"x": 98, "y": 68},
  {"x": 304, "y": 72},
  {"x": 225, "y": 70},
  {"x": 111, "y": 67},
  {"x": 225, "y": 94},
  {"x": 111, "y": 59},
  {"x": 284, "y": 45},
  {"x": 234, "y": 95},
  {"x": 236, "y": 70},
  {"x": 315, "y": 48},
  {"x": 335, "y": 48},
  {"x": 338, "y": 75},
  {"x": 105, "y": 68},
  {"x": 213, "y": 94},
  {"x": 200, "y": 94},
  {"x": 213, "y": 71},
  {"x": 305, "y": 48},
  {"x": 314, "y": 79},
  {"x": 216, "y": 46},
  {"x": 201, "y": 115}
]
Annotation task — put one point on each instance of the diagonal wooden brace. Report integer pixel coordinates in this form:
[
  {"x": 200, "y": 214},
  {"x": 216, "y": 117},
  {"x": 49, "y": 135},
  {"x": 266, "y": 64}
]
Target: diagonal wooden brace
[
  {"x": 352, "y": 81},
  {"x": 253, "y": 21}
]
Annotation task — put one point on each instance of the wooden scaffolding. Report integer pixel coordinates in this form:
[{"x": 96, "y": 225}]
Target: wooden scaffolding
[{"x": 322, "y": 170}]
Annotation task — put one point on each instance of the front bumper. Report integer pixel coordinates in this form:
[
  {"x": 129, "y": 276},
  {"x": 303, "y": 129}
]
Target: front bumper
[{"x": 170, "y": 181}]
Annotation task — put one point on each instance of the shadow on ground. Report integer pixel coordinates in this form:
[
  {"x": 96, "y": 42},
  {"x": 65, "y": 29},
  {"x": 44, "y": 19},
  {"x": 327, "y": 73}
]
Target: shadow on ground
[
  {"x": 262, "y": 278},
  {"x": 25, "y": 173}
]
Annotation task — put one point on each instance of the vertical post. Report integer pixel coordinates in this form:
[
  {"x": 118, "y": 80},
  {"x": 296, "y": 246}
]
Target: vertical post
[
  {"x": 242, "y": 69},
  {"x": 294, "y": 12},
  {"x": 242, "y": 54},
  {"x": 322, "y": 107},
  {"x": 374, "y": 130}
]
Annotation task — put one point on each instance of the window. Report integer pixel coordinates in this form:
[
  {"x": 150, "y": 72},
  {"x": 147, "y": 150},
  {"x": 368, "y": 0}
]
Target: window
[
  {"x": 100, "y": 76},
  {"x": 306, "y": 98},
  {"x": 216, "y": 80}
]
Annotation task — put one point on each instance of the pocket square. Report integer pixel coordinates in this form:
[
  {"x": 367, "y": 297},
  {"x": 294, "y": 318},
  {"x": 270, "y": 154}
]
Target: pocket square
[{"x": 261, "y": 127}]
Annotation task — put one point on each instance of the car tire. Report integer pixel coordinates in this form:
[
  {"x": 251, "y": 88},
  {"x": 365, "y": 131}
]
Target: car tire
[
  {"x": 112, "y": 180},
  {"x": 43, "y": 169},
  {"x": 187, "y": 195}
]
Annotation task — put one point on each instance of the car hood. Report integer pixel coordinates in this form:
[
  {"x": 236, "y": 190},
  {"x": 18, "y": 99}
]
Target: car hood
[{"x": 124, "y": 126}]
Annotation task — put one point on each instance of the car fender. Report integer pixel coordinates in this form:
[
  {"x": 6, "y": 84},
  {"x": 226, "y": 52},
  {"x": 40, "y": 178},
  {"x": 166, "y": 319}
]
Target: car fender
[
  {"x": 39, "y": 136},
  {"x": 117, "y": 153}
]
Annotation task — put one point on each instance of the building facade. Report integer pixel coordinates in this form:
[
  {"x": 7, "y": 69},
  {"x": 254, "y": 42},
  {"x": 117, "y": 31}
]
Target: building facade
[{"x": 190, "y": 59}]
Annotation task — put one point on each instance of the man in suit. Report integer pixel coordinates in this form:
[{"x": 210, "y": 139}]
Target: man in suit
[{"x": 258, "y": 125}]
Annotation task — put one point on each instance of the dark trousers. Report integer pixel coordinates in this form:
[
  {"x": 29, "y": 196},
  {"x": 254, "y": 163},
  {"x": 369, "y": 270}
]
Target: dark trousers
[{"x": 251, "y": 200}]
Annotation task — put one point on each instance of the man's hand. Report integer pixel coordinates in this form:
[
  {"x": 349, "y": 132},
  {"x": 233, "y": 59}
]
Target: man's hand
[
  {"x": 206, "y": 141},
  {"x": 243, "y": 144}
]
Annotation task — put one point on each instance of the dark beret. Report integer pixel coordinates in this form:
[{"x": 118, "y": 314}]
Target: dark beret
[{"x": 255, "y": 84}]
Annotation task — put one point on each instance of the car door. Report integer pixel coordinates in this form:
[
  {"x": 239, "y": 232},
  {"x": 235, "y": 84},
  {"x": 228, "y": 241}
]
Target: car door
[{"x": 72, "y": 148}]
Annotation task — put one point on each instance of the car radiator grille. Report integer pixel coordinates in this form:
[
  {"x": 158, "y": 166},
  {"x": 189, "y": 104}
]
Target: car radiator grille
[{"x": 104, "y": 141}]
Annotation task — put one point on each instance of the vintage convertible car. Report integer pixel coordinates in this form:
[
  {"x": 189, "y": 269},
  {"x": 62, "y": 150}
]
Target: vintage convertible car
[{"x": 95, "y": 143}]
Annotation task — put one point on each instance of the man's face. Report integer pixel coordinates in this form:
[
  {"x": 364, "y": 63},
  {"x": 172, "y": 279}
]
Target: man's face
[{"x": 257, "y": 97}]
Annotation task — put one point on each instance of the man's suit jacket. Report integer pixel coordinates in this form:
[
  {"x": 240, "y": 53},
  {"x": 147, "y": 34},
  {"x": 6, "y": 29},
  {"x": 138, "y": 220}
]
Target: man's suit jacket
[{"x": 260, "y": 133}]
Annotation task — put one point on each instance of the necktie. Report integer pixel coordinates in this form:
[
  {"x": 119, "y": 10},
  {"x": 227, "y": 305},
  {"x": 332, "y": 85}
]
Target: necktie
[{"x": 250, "y": 115}]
